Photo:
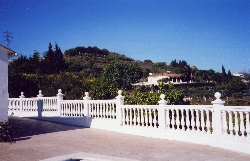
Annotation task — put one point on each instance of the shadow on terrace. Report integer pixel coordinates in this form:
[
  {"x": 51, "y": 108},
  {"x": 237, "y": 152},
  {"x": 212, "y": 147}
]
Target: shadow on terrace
[{"x": 25, "y": 128}]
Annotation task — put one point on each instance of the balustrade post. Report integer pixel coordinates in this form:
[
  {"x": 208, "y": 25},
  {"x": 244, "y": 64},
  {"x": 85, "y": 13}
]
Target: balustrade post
[
  {"x": 217, "y": 114},
  {"x": 162, "y": 112},
  {"x": 86, "y": 106},
  {"x": 120, "y": 101},
  {"x": 40, "y": 104},
  {"x": 59, "y": 98},
  {"x": 21, "y": 102}
]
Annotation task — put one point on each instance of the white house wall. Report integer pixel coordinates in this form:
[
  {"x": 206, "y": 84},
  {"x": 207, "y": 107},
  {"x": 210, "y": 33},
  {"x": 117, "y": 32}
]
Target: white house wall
[{"x": 3, "y": 85}]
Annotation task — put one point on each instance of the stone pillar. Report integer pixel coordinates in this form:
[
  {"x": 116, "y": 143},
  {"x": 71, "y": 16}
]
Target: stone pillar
[
  {"x": 162, "y": 112},
  {"x": 120, "y": 101},
  {"x": 21, "y": 102},
  {"x": 59, "y": 98},
  {"x": 86, "y": 106},
  {"x": 217, "y": 115}
]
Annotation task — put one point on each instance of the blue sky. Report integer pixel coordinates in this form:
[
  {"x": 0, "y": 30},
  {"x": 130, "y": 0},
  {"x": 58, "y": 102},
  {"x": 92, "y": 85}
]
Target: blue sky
[{"x": 206, "y": 33}]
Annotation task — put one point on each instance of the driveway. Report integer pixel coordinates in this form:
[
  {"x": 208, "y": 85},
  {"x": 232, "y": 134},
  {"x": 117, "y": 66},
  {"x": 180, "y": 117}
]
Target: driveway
[{"x": 48, "y": 141}]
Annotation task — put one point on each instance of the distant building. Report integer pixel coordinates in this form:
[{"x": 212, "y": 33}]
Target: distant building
[
  {"x": 5, "y": 54},
  {"x": 239, "y": 74},
  {"x": 153, "y": 79},
  {"x": 242, "y": 75}
]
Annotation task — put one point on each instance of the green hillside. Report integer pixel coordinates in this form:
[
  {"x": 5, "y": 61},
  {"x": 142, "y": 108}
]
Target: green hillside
[{"x": 91, "y": 61}]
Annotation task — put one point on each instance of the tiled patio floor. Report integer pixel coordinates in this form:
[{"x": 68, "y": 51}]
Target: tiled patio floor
[{"x": 48, "y": 141}]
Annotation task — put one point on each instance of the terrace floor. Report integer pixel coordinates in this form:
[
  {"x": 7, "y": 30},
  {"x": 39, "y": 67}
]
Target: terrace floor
[{"x": 48, "y": 141}]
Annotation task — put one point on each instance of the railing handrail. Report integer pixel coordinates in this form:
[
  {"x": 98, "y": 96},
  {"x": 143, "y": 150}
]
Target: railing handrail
[{"x": 102, "y": 101}]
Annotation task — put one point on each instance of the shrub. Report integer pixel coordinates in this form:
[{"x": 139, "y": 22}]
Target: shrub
[{"x": 6, "y": 134}]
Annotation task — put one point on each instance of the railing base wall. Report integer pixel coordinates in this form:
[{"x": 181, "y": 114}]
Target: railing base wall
[{"x": 225, "y": 141}]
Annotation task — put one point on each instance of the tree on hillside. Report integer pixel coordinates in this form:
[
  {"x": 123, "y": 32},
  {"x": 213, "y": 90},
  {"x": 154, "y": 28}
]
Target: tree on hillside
[
  {"x": 236, "y": 85},
  {"x": 224, "y": 75},
  {"x": 54, "y": 62},
  {"x": 116, "y": 75},
  {"x": 122, "y": 74}
]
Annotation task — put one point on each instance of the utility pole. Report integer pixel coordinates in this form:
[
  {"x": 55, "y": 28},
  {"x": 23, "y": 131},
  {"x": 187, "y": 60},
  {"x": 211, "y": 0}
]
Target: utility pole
[{"x": 8, "y": 37}]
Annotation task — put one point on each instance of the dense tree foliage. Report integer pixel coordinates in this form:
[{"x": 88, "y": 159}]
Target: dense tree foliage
[
  {"x": 103, "y": 73},
  {"x": 116, "y": 75}
]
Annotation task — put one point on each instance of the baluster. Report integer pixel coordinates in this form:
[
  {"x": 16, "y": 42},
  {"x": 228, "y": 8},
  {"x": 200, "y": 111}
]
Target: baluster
[
  {"x": 197, "y": 122},
  {"x": 149, "y": 117},
  {"x": 97, "y": 110},
  {"x": 74, "y": 109},
  {"x": 207, "y": 121},
  {"x": 93, "y": 110},
  {"x": 192, "y": 112},
  {"x": 113, "y": 111},
  {"x": 46, "y": 105},
  {"x": 30, "y": 105},
  {"x": 126, "y": 116},
  {"x": 108, "y": 111},
  {"x": 62, "y": 111},
  {"x": 141, "y": 117},
  {"x": 50, "y": 105},
  {"x": 177, "y": 119},
  {"x": 236, "y": 125},
  {"x": 66, "y": 109},
  {"x": 242, "y": 127},
  {"x": 187, "y": 120},
  {"x": 155, "y": 121},
  {"x": 202, "y": 121},
  {"x": 146, "y": 117},
  {"x": 182, "y": 121},
  {"x": 104, "y": 108},
  {"x": 71, "y": 109},
  {"x": 130, "y": 116},
  {"x": 151, "y": 114},
  {"x": 78, "y": 109},
  {"x": 230, "y": 123},
  {"x": 247, "y": 125},
  {"x": 167, "y": 118},
  {"x": 173, "y": 122},
  {"x": 136, "y": 116},
  {"x": 34, "y": 105},
  {"x": 101, "y": 107},
  {"x": 224, "y": 122}
]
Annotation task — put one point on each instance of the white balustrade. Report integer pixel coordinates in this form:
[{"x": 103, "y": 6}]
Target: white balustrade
[
  {"x": 102, "y": 109},
  {"x": 188, "y": 118},
  {"x": 216, "y": 125},
  {"x": 72, "y": 108},
  {"x": 236, "y": 121},
  {"x": 140, "y": 115}
]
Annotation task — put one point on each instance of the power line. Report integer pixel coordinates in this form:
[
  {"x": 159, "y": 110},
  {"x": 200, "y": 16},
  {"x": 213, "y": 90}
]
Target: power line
[{"x": 8, "y": 37}]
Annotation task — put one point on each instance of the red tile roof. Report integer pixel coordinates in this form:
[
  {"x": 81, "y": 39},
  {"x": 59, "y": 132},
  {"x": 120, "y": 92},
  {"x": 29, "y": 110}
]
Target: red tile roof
[{"x": 168, "y": 75}]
